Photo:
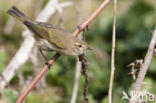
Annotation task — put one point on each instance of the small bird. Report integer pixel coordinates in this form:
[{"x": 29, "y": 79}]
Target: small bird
[{"x": 51, "y": 38}]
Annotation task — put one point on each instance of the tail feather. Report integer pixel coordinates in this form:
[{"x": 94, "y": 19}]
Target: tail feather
[
  {"x": 34, "y": 27},
  {"x": 16, "y": 13}
]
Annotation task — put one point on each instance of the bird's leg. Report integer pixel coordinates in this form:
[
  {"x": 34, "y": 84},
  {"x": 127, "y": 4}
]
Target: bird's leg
[
  {"x": 83, "y": 29},
  {"x": 43, "y": 55},
  {"x": 87, "y": 28},
  {"x": 80, "y": 27},
  {"x": 46, "y": 62}
]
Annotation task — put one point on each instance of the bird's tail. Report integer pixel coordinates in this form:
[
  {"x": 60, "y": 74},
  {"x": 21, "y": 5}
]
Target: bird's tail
[
  {"x": 32, "y": 26},
  {"x": 17, "y": 14}
]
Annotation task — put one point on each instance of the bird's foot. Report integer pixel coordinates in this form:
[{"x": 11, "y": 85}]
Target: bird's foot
[
  {"x": 81, "y": 28},
  {"x": 49, "y": 65}
]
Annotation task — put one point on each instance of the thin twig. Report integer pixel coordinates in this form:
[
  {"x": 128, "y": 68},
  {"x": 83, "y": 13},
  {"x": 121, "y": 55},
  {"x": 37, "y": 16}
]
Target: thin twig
[
  {"x": 78, "y": 63},
  {"x": 145, "y": 65},
  {"x": 56, "y": 56},
  {"x": 96, "y": 13},
  {"x": 112, "y": 55},
  {"x": 76, "y": 82}
]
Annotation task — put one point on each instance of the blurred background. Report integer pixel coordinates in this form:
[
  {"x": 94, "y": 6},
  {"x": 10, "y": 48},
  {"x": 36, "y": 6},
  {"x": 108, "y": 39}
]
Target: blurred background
[{"x": 136, "y": 19}]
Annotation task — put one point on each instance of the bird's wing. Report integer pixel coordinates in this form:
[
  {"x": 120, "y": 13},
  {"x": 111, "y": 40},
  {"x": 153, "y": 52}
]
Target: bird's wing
[
  {"x": 57, "y": 36},
  {"x": 45, "y": 25}
]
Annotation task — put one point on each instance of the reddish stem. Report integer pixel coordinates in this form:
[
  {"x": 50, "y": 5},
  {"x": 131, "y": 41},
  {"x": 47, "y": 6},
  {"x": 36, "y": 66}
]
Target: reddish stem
[
  {"x": 56, "y": 56},
  {"x": 95, "y": 14},
  {"x": 37, "y": 78}
]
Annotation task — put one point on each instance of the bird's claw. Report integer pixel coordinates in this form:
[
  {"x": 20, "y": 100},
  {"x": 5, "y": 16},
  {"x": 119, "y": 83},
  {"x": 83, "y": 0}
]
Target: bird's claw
[
  {"x": 81, "y": 28},
  {"x": 49, "y": 65}
]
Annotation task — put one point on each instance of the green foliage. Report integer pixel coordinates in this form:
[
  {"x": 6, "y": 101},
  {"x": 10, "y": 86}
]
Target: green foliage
[
  {"x": 48, "y": 96},
  {"x": 105, "y": 100},
  {"x": 3, "y": 59},
  {"x": 10, "y": 96},
  {"x": 26, "y": 69},
  {"x": 153, "y": 65}
]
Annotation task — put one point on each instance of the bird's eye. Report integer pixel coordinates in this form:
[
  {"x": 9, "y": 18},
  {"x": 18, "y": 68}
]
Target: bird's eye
[{"x": 80, "y": 46}]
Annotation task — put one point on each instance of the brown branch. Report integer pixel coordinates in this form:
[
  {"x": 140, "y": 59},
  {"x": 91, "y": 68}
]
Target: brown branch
[
  {"x": 145, "y": 65},
  {"x": 56, "y": 56},
  {"x": 112, "y": 55},
  {"x": 37, "y": 78},
  {"x": 84, "y": 63},
  {"x": 84, "y": 70}
]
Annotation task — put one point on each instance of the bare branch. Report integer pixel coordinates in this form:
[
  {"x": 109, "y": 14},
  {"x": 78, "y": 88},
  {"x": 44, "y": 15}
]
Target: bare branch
[
  {"x": 19, "y": 59},
  {"x": 76, "y": 82},
  {"x": 112, "y": 55},
  {"x": 145, "y": 65},
  {"x": 78, "y": 64}
]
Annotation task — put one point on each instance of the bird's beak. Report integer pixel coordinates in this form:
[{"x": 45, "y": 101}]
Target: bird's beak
[{"x": 89, "y": 48}]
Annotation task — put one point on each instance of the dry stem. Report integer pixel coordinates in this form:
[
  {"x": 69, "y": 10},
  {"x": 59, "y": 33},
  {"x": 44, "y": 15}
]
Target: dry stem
[
  {"x": 84, "y": 70},
  {"x": 112, "y": 55},
  {"x": 145, "y": 65},
  {"x": 76, "y": 82}
]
